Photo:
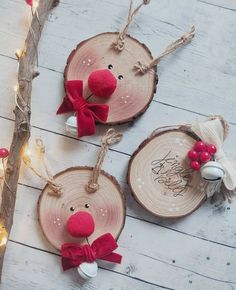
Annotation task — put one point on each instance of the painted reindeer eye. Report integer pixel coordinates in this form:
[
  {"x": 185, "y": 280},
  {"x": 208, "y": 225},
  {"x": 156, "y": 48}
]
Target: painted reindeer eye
[
  {"x": 120, "y": 77},
  {"x": 110, "y": 66},
  {"x": 72, "y": 209},
  {"x": 86, "y": 205}
]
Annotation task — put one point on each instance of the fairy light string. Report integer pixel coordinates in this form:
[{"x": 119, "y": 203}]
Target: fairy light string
[
  {"x": 55, "y": 189},
  {"x": 21, "y": 105},
  {"x": 21, "y": 52},
  {"x": 3, "y": 232}
]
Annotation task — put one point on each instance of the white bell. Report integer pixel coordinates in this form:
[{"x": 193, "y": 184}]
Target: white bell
[
  {"x": 71, "y": 125},
  {"x": 212, "y": 171},
  {"x": 88, "y": 270}
]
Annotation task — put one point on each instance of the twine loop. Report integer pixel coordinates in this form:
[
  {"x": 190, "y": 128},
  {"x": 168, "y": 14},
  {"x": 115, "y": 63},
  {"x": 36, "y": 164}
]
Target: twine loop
[
  {"x": 119, "y": 43},
  {"x": 55, "y": 189},
  {"x": 111, "y": 137}
]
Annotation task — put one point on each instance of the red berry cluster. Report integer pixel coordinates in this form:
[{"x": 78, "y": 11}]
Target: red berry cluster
[{"x": 201, "y": 153}]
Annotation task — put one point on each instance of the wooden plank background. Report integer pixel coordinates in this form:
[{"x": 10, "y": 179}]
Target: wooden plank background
[{"x": 196, "y": 252}]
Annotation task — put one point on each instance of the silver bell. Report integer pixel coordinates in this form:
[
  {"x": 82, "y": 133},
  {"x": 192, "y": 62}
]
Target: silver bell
[
  {"x": 71, "y": 125},
  {"x": 88, "y": 270},
  {"x": 212, "y": 171}
]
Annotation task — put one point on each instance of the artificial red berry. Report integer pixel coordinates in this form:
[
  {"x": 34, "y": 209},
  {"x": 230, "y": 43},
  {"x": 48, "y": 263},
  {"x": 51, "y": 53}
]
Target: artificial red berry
[
  {"x": 211, "y": 149},
  {"x": 200, "y": 146},
  {"x": 4, "y": 152},
  {"x": 204, "y": 156},
  {"x": 195, "y": 165},
  {"x": 192, "y": 155}
]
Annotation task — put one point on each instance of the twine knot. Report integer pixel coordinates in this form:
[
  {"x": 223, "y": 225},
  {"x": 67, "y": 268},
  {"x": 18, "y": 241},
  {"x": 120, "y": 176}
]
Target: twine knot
[
  {"x": 119, "y": 44},
  {"x": 92, "y": 187},
  {"x": 140, "y": 67},
  {"x": 111, "y": 137}
]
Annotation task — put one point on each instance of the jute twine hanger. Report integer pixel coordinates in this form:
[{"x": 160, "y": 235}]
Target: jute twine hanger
[
  {"x": 184, "y": 39},
  {"x": 111, "y": 137},
  {"x": 140, "y": 67},
  {"x": 119, "y": 44}
]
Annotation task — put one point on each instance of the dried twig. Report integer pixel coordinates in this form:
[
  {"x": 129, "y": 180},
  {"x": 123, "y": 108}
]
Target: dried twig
[{"x": 22, "y": 118}]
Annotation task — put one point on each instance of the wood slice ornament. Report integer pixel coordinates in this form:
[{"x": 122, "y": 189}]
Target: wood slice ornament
[
  {"x": 134, "y": 91},
  {"x": 160, "y": 177},
  {"x": 83, "y": 189},
  {"x": 129, "y": 61},
  {"x": 178, "y": 167}
]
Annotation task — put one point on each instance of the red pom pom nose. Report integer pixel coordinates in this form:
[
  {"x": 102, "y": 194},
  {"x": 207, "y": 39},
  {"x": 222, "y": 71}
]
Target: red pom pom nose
[
  {"x": 102, "y": 83},
  {"x": 80, "y": 224}
]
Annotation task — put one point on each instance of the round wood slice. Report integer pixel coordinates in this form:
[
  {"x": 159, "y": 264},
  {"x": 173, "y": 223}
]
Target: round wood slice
[
  {"x": 106, "y": 205},
  {"x": 134, "y": 92},
  {"x": 160, "y": 177}
]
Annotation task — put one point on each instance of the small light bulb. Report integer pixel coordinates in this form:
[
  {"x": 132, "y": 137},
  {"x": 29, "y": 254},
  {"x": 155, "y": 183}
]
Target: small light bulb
[
  {"x": 28, "y": 152},
  {"x": 18, "y": 53},
  {"x": 15, "y": 88},
  {"x": 3, "y": 236}
]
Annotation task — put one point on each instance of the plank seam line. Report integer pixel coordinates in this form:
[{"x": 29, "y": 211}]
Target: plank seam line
[
  {"x": 188, "y": 110},
  {"x": 184, "y": 233},
  {"x": 150, "y": 257},
  {"x": 215, "y": 5},
  {"x": 109, "y": 270},
  {"x": 70, "y": 137},
  {"x": 157, "y": 224},
  {"x": 183, "y": 268},
  {"x": 138, "y": 279}
]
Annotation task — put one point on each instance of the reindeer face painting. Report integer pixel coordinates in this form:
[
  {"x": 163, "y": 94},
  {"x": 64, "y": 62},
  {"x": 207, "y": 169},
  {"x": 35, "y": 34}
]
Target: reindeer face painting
[
  {"x": 82, "y": 213},
  {"x": 86, "y": 189},
  {"x": 133, "y": 92},
  {"x": 129, "y": 61},
  {"x": 106, "y": 206}
]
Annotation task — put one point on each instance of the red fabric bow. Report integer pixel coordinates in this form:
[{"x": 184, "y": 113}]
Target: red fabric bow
[
  {"x": 87, "y": 113},
  {"x": 102, "y": 248}
]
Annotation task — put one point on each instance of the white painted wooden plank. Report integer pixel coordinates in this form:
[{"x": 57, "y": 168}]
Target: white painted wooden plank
[
  {"x": 142, "y": 259},
  {"x": 151, "y": 253},
  {"x": 63, "y": 152},
  {"x": 28, "y": 269},
  {"x": 47, "y": 95},
  {"x": 211, "y": 59}
]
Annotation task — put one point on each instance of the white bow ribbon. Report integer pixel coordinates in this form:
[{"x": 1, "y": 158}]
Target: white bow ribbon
[{"x": 214, "y": 132}]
